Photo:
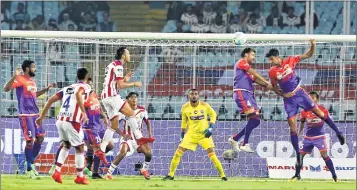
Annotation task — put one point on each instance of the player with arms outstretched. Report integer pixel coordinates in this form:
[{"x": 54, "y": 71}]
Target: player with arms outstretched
[
  {"x": 244, "y": 77},
  {"x": 195, "y": 116},
  {"x": 282, "y": 73},
  {"x": 113, "y": 103},
  {"x": 314, "y": 137},
  {"x": 129, "y": 146},
  {"x": 26, "y": 92},
  {"x": 68, "y": 123}
]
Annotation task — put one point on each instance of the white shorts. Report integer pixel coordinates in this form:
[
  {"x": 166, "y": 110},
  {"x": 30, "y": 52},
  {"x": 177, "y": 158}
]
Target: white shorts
[
  {"x": 113, "y": 105},
  {"x": 70, "y": 131},
  {"x": 132, "y": 145}
]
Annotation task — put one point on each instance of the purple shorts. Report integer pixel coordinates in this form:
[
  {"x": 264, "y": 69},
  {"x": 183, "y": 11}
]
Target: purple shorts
[
  {"x": 245, "y": 100},
  {"x": 29, "y": 127},
  {"x": 94, "y": 136},
  {"x": 300, "y": 99},
  {"x": 310, "y": 142}
]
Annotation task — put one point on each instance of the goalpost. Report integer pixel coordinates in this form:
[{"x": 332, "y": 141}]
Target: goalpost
[{"x": 168, "y": 65}]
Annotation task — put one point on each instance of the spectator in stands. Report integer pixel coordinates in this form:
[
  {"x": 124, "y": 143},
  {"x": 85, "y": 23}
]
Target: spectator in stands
[
  {"x": 222, "y": 110},
  {"x": 302, "y": 20},
  {"x": 209, "y": 16},
  {"x": 189, "y": 18},
  {"x": 274, "y": 19},
  {"x": 175, "y": 10},
  {"x": 52, "y": 25},
  {"x": 179, "y": 25},
  {"x": 21, "y": 14},
  {"x": 19, "y": 25},
  {"x": 226, "y": 16},
  {"x": 331, "y": 110},
  {"x": 200, "y": 27},
  {"x": 243, "y": 19},
  {"x": 87, "y": 24},
  {"x": 70, "y": 10},
  {"x": 38, "y": 23},
  {"x": 253, "y": 26},
  {"x": 260, "y": 18},
  {"x": 90, "y": 10},
  {"x": 168, "y": 109},
  {"x": 66, "y": 21},
  {"x": 106, "y": 25},
  {"x": 72, "y": 27},
  {"x": 151, "y": 108},
  {"x": 5, "y": 15},
  {"x": 235, "y": 27},
  {"x": 291, "y": 19},
  {"x": 276, "y": 113},
  {"x": 218, "y": 27}
]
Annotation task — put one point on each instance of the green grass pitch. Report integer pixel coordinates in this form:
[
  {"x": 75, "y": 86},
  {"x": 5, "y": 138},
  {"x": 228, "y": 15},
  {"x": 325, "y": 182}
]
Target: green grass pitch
[{"x": 13, "y": 182}]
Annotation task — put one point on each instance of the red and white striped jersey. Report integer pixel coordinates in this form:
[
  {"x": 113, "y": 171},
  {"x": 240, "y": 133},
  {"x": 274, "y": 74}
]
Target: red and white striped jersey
[
  {"x": 113, "y": 72},
  {"x": 70, "y": 110},
  {"x": 141, "y": 115}
]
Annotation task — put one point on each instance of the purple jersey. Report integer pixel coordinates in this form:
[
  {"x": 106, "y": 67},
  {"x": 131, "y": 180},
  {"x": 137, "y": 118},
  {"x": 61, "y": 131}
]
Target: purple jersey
[
  {"x": 242, "y": 79},
  {"x": 92, "y": 107},
  {"x": 285, "y": 75},
  {"x": 314, "y": 123},
  {"x": 26, "y": 95}
]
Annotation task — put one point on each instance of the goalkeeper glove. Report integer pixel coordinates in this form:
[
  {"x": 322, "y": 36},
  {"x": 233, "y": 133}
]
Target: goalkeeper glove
[
  {"x": 341, "y": 138},
  {"x": 182, "y": 136},
  {"x": 208, "y": 132}
]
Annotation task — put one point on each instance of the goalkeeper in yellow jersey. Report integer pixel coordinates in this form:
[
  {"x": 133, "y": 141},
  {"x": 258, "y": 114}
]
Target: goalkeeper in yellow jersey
[{"x": 195, "y": 121}]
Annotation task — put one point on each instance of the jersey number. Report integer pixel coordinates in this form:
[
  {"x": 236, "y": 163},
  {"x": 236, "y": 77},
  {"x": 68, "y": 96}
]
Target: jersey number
[{"x": 66, "y": 103}]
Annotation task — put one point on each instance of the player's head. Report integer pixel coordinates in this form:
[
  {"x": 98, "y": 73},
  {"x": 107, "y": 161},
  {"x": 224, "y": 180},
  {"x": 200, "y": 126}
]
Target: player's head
[
  {"x": 194, "y": 95},
  {"x": 123, "y": 53},
  {"x": 314, "y": 96},
  {"x": 273, "y": 56},
  {"x": 90, "y": 83},
  {"x": 132, "y": 98},
  {"x": 248, "y": 54},
  {"x": 82, "y": 75},
  {"x": 29, "y": 67}
]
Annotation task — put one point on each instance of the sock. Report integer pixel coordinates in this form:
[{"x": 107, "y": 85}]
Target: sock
[
  {"x": 239, "y": 135},
  {"x": 29, "y": 157},
  {"x": 332, "y": 124},
  {"x": 96, "y": 163},
  {"x": 295, "y": 141},
  {"x": 298, "y": 167},
  {"x": 79, "y": 162},
  {"x": 134, "y": 127},
  {"x": 108, "y": 135},
  {"x": 253, "y": 122},
  {"x": 217, "y": 164},
  {"x": 58, "y": 152},
  {"x": 35, "y": 150},
  {"x": 89, "y": 158},
  {"x": 112, "y": 168},
  {"x": 146, "y": 165},
  {"x": 330, "y": 166},
  {"x": 175, "y": 162},
  {"x": 61, "y": 158}
]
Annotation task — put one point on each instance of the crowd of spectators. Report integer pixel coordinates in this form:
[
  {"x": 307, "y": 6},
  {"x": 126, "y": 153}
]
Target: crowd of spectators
[
  {"x": 76, "y": 16},
  {"x": 214, "y": 17}
]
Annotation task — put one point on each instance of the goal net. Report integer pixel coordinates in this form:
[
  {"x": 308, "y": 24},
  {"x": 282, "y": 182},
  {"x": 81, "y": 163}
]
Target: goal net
[{"x": 169, "y": 65}]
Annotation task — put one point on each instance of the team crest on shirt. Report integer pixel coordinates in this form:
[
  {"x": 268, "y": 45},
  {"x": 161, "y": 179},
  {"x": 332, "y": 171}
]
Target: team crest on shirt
[
  {"x": 202, "y": 111},
  {"x": 31, "y": 89},
  {"x": 195, "y": 112}
]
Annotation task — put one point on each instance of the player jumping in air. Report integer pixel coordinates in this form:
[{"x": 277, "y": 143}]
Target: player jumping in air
[
  {"x": 129, "y": 146},
  {"x": 68, "y": 123},
  {"x": 26, "y": 92},
  {"x": 195, "y": 116},
  {"x": 283, "y": 73},
  {"x": 314, "y": 137},
  {"x": 114, "y": 104},
  {"x": 244, "y": 77}
]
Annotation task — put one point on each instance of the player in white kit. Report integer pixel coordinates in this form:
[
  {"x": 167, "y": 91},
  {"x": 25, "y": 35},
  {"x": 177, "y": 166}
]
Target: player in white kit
[
  {"x": 71, "y": 114},
  {"x": 114, "y": 104},
  {"x": 129, "y": 146}
]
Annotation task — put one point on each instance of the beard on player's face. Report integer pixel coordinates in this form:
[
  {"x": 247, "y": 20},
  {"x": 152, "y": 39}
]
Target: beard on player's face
[{"x": 32, "y": 74}]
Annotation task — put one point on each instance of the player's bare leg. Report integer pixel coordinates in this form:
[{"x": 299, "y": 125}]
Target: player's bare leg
[
  {"x": 217, "y": 164},
  {"x": 329, "y": 122},
  {"x": 298, "y": 167},
  {"x": 146, "y": 150},
  {"x": 79, "y": 162},
  {"x": 63, "y": 153},
  {"x": 329, "y": 164},
  {"x": 96, "y": 162},
  {"x": 175, "y": 162},
  {"x": 121, "y": 155},
  {"x": 294, "y": 138}
]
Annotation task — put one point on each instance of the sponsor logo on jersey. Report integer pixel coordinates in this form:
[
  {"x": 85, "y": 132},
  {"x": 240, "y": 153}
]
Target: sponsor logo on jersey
[{"x": 198, "y": 117}]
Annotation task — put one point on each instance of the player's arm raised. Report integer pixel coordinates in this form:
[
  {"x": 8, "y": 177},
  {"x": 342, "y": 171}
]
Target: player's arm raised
[
  {"x": 310, "y": 52},
  {"x": 56, "y": 97},
  {"x": 8, "y": 85},
  {"x": 263, "y": 84},
  {"x": 79, "y": 98},
  {"x": 39, "y": 93},
  {"x": 213, "y": 117},
  {"x": 258, "y": 77}
]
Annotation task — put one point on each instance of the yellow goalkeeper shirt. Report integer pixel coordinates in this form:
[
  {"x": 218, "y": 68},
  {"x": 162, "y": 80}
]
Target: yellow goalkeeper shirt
[{"x": 196, "y": 118}]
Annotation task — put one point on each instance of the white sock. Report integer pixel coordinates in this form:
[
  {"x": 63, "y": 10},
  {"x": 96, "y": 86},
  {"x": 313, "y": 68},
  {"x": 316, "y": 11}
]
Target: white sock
[
  {"x": 108, "y": 135},
  {"x": 79, "y": 161},
  {"x": 61, "y": 158},
  {"x": 134, "y": 127},
  {"x": 111, "y": 169},
  {"x": 146, "y": 165}
]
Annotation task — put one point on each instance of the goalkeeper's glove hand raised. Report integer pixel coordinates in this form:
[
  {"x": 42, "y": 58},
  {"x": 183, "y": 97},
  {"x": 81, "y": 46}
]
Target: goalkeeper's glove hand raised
[{"x": 208, "y": 132}]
